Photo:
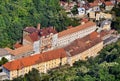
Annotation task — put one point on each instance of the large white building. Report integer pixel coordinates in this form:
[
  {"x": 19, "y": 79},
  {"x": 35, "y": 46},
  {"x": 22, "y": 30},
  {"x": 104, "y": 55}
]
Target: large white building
[
  {"x": 67, "y": 36},
  {"x": 51, "y": 39},
  {"x": 36, "y": 40}
]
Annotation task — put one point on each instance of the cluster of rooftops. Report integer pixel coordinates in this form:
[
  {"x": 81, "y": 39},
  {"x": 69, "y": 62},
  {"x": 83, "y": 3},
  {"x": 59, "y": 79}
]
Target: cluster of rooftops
[
  {"x": 85, "y": 4},
  {"x": 76, "y": 47},
  {"x": 33, "y": 36}
]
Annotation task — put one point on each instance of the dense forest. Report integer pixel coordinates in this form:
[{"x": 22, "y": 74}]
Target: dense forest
[
  {"x": 116, "y": 21},
  {"x": 17, "y": 14},
  {"x": 104, "y": 67}
]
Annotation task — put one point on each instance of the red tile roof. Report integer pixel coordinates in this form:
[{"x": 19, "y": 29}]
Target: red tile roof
[
  {"x": 47, "y": 31},
  {"x": 83, "y": 44},
  {"x": 17, "y": 45},
  {"x": 84, "y": 20},
  {"x": 76, "y": 29},
  {"x": 34, "y": 36},
  {"x": 35, "y": 59},
  {"x": 93, "y": 4},
  {"x": 108, "y": 3}
]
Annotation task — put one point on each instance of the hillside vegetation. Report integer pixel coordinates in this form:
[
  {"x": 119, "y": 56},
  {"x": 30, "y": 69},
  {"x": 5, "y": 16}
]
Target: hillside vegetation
[{"x": 17, "y": 14}]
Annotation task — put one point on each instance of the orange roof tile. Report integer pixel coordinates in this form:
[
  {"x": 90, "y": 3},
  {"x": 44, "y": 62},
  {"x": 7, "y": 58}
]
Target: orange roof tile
[
  {"x": 93, "y": 4},
  {"x": 35, "y": 59},
  {"x": 76, "y": 29},
  {"x": 17, "y": 45},
  {"x": 84, "y": 20},
  {"x": 82, "y": 44},
  {"x": 108, "y": 3},
  {"x": 28, "y": 38},
  {"x": 34, "y": 36}
]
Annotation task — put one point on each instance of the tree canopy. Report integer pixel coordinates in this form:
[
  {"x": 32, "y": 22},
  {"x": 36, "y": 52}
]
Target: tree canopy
[
  {"x": 116, "y": 22},
  {"x": 16, "y": 15}
]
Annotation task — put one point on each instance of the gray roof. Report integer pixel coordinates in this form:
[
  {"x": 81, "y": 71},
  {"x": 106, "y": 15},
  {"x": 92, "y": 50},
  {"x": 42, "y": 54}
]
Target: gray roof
[
  {"x": 105, "y": 22},
  {"x": 3, "y": 52}
]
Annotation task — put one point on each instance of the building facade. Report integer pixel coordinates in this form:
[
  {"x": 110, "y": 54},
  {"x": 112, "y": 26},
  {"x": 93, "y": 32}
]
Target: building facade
[
  {"x": 67, "y": 36},
  {"x": 42, "y": 62},
  {"x": 82, "y": 49},
  {"x": 41, "y": 39},
  {"x": 37, "y": 40}
]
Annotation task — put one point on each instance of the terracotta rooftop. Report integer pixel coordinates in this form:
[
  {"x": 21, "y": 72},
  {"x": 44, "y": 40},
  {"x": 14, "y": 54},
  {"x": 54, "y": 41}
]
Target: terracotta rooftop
[
  {"x": 104, "y": 33},
  {"x": 20, "y": 50},
  {"x": 30, "y": 29},
  {"x": 47, "y": 31},
  {"x": 93, "y": 4},
  {"x": 83, "y": 44},
  {"x": 17, "y": 45},
  {"x": 34, "y": 36},
  {"x": 76, "y": 29},
  {"x": 35, "y": 59},
  {"x": 108, "y": 3},
  {"x": 84, "y": 20},
  {"x": 27, "y": 37}
]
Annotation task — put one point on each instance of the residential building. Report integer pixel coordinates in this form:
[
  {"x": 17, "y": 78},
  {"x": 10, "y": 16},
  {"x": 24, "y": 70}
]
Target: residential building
[
  {"x": 41, "y": 39},
  {"x": 108, "y": 37},
  {"x": 37, "y": 40},
  {"x": 95, "y": 7},
  {"x": 81, "y": 11},
  {"x": 42, "y": 62},
  {"x": 47, "y": 39},
  {"x": 92, "y": 15},
  {"x": 108, "y": 5},
  {"x": 67, "y": 36},
  {"x": 83, "y": 48},
  {"x": 106, "y": 25}
]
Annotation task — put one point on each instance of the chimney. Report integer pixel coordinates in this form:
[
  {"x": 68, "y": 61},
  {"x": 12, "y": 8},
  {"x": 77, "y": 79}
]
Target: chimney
[{"x": 38, "y": 26}]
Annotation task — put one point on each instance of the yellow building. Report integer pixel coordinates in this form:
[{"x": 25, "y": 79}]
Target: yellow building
[
  {"x": 43, "y": 62},
  {"x": 83, "y": 48}
]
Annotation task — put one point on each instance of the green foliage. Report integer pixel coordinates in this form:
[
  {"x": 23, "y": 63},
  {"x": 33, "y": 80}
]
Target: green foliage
[
  {"x": 90, "y": 1},
  {"x": 74, "y": 10},
  {"x": 116, "y": 23},
  {"x": 16, "y": 14},
  {"x": 3, "y": 61}
]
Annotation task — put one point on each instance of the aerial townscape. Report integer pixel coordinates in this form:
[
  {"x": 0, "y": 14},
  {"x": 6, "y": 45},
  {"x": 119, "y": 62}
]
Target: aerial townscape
[{"x": 60, "y": 40}]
